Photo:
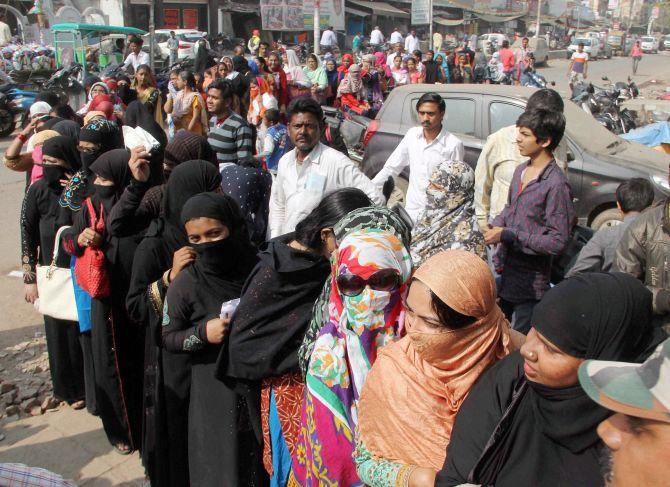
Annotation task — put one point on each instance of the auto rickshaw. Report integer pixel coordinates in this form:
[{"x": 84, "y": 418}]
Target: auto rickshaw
[
  {"x": 617, "y": 41},
  {"x": 89, "y": 43}
]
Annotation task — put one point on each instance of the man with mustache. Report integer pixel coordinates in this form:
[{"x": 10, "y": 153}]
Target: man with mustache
[
  {"x": 637, "y": 436},
  {"x": 310, "y": 171},
  {"x": 422, "y": 149}
]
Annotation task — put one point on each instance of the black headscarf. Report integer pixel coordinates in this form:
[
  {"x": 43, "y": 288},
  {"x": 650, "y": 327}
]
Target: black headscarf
[
  {"x": 68, "y": 127},
  {"x": 549, "y": 437},
  {"x": 241, "y": 65},
  {"x": 65, "y": 148},
  {"x": 203, "y": 60},
  {"x": 103, "y": 132},
  {"x": 113, "y": 166},
  {"x": 186, "y": 180},
  {"x": 187, "y": 146},
  {"x": 89, "y": 81},
  {"x": 138, "y": 115},
  {"x": 50, "y": 123},
  {"x": 221, "y": 262}
]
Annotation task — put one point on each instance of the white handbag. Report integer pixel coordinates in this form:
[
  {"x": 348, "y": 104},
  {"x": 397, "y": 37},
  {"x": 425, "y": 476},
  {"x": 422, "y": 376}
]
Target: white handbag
[{"x": 55, "y": 288}]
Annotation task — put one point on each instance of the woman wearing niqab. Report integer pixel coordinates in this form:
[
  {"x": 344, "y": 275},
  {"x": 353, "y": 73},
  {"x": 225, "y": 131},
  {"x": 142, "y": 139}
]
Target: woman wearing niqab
[{"x": 222, "y": 447}]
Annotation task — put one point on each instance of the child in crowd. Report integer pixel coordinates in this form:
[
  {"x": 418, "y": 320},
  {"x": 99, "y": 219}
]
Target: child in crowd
[
  {"x": 536, "y": 222},
  {"x": 276, "y": 142}
]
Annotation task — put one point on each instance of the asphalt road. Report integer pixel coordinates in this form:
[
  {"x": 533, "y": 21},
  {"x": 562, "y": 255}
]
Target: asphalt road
[{"x": 652, "y": 66}]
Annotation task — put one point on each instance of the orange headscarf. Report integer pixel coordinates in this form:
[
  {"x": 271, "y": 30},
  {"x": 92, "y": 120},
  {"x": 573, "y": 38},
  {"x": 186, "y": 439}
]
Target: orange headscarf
[{"x": 417, "y": 385}]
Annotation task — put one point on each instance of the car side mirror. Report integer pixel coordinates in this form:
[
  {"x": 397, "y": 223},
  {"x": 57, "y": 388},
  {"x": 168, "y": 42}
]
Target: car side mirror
[
  {"x": 569, "y": 156},
  {"x": 605, "y": 78}
]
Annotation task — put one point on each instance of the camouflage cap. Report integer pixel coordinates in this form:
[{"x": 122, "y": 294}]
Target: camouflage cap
[{"x": 640, "y": 390}]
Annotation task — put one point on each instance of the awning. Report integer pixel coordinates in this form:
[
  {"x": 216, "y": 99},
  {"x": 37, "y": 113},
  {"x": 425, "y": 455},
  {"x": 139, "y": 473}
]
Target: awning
[
  {"x": 494, "y": 19},
  {"x": 381, "y": 8},
  {"x": 358, "y": 13},
  {"x": 448, "y": 22}
]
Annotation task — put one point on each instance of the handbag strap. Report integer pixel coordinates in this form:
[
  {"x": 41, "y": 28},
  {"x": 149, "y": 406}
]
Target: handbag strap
[
  {"x": 96, "y": 224},
  {"x": 57, "y": 246}
]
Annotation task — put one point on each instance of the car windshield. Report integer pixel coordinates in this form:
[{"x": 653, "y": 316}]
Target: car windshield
[
  {"x": 586, "y": 42},
  {"x": 647, "y": 39},
  {"x": 583, "y": 129}
]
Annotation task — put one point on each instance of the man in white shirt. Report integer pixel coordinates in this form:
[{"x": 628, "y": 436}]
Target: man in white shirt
[
  {"x": 376, "y": 38},
  {"x": 328, "y": 40},
  {"x": 137, "y": 56},
  {"x": 309, "y": 171},
  {"x": 397, "y": 50},
  {"x": 422, "y": 149},
  {"x": 396, "y": 36},
  {"x": 412, "y": 42}
]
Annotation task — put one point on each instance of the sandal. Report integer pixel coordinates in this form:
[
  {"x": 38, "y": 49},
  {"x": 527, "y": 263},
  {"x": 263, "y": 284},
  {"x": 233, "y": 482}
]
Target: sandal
[
  {"x": 122, "y": 449},
  {"x": 78, "y": 405}
]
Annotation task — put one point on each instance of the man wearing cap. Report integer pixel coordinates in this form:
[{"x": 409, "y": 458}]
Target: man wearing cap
[{"x": 638, "y": 434}]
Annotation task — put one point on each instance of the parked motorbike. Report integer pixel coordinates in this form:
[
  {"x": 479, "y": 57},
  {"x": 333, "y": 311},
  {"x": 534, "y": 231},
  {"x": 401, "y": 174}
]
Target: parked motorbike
[
  {"x": 14, "y": 107},
  {"x": 605, "y": 105}
]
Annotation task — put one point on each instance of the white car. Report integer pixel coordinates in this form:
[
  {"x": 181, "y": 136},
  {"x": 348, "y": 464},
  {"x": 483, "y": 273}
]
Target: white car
[
  {"x": 490, "y": 43},
  {"x": 591, "y": 47},
  {"x": 649, "y": 44},
  {"x": 187, "y": 39}
]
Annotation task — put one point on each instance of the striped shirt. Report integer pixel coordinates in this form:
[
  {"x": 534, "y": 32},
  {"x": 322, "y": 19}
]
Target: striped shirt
[{"x": 230, "y": 139}]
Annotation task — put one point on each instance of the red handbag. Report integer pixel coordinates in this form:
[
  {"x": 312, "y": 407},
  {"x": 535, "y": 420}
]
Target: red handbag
[{"x": 90, "y": 269}]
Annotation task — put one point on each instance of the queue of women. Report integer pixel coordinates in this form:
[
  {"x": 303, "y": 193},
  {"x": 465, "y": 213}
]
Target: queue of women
[{"x": 353, "y": 351}]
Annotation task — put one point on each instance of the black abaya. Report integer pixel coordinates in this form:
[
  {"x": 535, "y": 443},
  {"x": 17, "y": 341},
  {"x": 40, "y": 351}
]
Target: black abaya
[
  {"x": 38, "y": 230},
  {"x": 222, "y": 447},
  {"x": 117, "y": 342},
  {"x": 167, "y": 376}
]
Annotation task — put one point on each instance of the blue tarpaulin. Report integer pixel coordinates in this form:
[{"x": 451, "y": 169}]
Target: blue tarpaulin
[{"x": 650, "y": 135}]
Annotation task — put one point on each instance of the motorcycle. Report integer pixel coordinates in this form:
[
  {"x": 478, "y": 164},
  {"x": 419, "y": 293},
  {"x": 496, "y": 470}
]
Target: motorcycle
[
  {"x": 14, "y": 106},
  {"x": 605, "y": 106}
]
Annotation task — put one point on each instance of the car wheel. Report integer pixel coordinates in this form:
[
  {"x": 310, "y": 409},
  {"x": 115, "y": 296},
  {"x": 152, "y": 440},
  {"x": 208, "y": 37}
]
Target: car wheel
[{"x": 608, "y": 218}]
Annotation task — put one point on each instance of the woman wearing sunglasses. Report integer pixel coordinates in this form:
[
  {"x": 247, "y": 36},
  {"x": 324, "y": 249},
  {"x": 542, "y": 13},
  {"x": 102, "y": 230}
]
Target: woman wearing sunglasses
[
  {"x": 271, "y": 319},
  {"x": 370, "y": 271},
  {"x": 455, "y": 331}
]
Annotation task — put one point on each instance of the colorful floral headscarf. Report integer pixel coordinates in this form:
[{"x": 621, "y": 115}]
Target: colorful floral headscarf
[{"x": 343, "y": 354}]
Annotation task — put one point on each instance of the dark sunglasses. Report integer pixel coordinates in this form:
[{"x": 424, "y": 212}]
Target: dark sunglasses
[{"x": 383, "y": 280}]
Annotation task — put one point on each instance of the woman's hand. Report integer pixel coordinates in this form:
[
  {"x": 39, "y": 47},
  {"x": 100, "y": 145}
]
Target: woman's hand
[
  {"x": 139, "y": 164},
  {"x": 30, "y": 293},
  {"x": 28, "y": 131},
  {"x": 217, "y": 329},
  {"x": 182, "y": 259},
  {"x": 422, "y": 477},
  {"x": 89, "y": 238}
]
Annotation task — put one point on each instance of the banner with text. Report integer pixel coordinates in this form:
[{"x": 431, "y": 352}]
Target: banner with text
[
  {"x": 421, "y": 12},
  {"x": 299, "y": 15}
]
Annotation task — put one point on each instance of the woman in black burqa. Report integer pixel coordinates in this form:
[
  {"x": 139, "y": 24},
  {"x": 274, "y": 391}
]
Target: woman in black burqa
[
  {"x": 548, "y": 436},
  {"x": 117, "y": 341},
  {"x": 40, "y": 216},
  {"x": 222, "y": 448},
  {"x": 159, "y": 258}
]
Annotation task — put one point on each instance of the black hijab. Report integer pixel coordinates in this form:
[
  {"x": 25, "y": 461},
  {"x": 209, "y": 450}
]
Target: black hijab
[
  {"x": 113, "y": 166},
  {"x": 203, "y": 60},
  {"x": 186, "y": 180},
  {"x": 138, "y": 115},
  {"x": 68, "y": 127},
  {"x": 187, "y": 146},
  {"x": 50, "y": 123},
  {"x": 547, "y": 437},
  {"x": 102, "y": 132},
  {"x": 222, "y": 264},
  {"x": 241, "y": 65},
  {"x": 65, "y": 148}
]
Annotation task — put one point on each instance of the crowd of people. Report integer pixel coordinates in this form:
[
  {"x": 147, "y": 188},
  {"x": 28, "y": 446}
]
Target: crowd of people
[{"x": 250, "y": 312}]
